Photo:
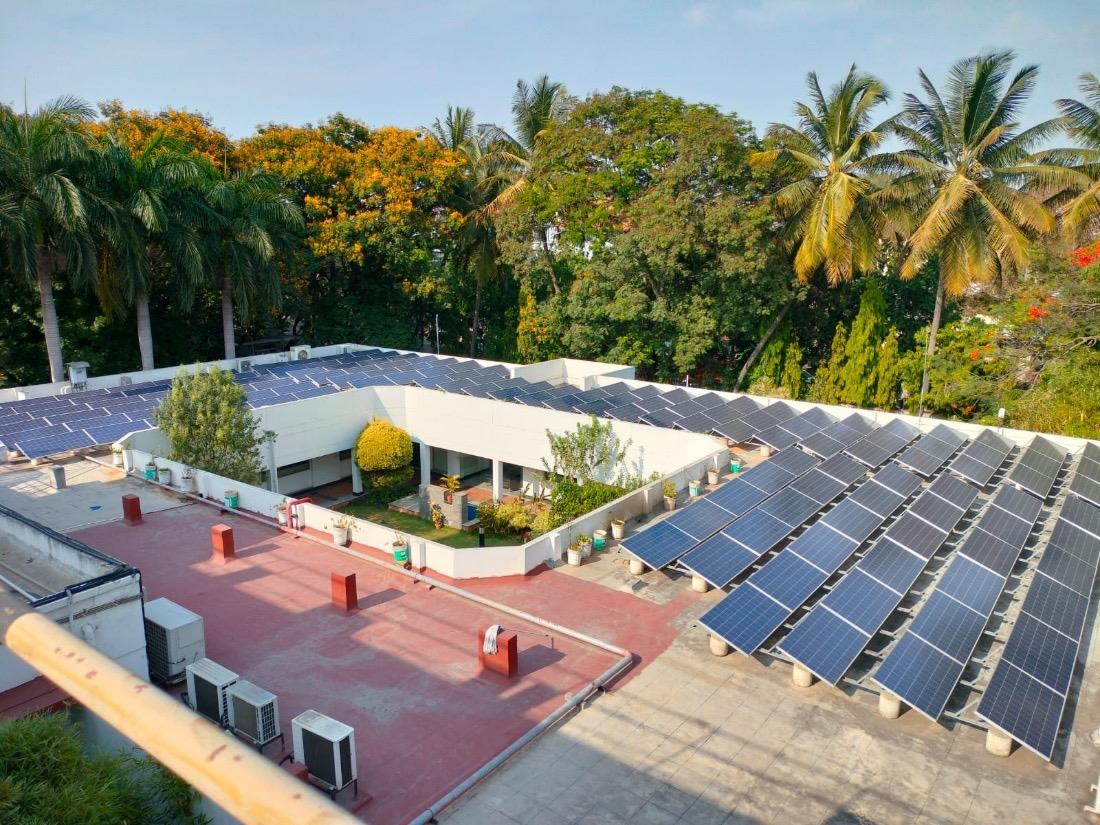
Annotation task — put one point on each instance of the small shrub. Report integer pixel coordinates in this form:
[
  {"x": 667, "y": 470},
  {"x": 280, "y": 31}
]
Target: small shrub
[
  {"x": 511, "y": 518},
  {"x": 384, "y": 486},
  {"x": 544, "y": 522},
  {"x": 570, "y": 500},
  {"x": 383, "y": 446},
  {"x": 668, "y": 489}
]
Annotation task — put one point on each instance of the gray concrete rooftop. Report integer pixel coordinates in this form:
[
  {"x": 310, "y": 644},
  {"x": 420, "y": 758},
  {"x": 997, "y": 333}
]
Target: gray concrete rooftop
[{"x": 694, "y": 739}]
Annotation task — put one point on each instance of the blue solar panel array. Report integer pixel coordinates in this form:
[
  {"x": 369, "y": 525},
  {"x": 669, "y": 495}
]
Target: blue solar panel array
[
  {"x": 1026, "y": 696},
  {"x": 929, "y": 659},
  {"x": 43, "y": 426},
  {"x": 982, "y": 458},
  {"x": 832, "y": 635},
  {"x": 749, "y": 615}
]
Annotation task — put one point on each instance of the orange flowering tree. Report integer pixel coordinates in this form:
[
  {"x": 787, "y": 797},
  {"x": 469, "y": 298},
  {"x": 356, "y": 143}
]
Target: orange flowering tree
[{"x": 135, "y": 127}]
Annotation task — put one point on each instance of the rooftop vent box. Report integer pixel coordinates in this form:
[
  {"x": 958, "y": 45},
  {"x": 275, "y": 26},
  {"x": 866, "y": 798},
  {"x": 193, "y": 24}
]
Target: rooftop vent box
[
  {"x": 208, "y": 684},
  {"x": 300, "y": 353},
  {"x": 244, "y": 365},
  {"x": 326, "y": 747},
  {"x": 174, "y": 638},
  {"x": 125, "y": 381},
  {"x": 78, "y": 374},
  {"x": 253, "y": 713}
]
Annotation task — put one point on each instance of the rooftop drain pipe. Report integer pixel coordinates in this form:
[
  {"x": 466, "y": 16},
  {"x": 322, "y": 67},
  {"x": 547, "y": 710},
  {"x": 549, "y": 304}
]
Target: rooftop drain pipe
[{"x": 572, "y": 701}]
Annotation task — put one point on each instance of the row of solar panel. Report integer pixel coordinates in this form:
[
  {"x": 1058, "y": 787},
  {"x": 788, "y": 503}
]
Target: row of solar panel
[{"x": 1027, "y": 693}]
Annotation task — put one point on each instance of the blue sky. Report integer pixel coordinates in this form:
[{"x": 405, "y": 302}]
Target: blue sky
[{"x": 401, "y": 63}]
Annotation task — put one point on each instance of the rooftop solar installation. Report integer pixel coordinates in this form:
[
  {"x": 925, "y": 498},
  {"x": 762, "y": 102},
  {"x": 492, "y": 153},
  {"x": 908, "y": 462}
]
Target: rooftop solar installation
[
  {"x": 982, "y": 458},
  {"x": 928, "y": 661},
  {"x": 1026, "y": 696},
  {"x": 863, "y": 600},
  {"x": 1085, "y": 482},
  {"x": 1038, "y": 467}
]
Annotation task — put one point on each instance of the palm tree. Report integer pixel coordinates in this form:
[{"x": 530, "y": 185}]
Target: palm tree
[
  {"x": 968, "y": 176},
  {"x": 831, "y": 220},
  {"x": 45, "y": 161},
  {"x": 152, "y": 220},
  {"x": 254, "y": 220},
  {"x": 455, "y": 130},
  {"x": 1081, "y": 121}
]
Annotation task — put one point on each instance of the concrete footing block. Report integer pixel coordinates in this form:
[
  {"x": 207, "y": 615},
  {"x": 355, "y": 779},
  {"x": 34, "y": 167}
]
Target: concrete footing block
[
  {"x": 889, "y": 705},
  {"x": 57, "y": 477},
  {"x": 719, "y": 646},
  {"x": 637, "y": 567},
  {"x": 801, "y": 676},
  {"x": 699, "y": 584},
  {"x": 998, "y": 743}
]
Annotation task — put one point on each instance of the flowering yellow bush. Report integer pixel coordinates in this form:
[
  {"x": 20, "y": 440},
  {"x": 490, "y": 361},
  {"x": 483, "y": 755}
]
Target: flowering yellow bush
[{"x": 383, "y": 446}]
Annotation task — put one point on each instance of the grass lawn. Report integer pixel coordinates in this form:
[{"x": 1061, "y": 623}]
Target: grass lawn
[{"x": 381, "y": 514}]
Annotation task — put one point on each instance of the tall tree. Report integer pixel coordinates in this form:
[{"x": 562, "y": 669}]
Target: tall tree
[
  {"x": 254, "y": 219},
  {"x": 45, "y": 161},
  {"x": 1081, "y": 121},
  {"x": 831, "y": 221},
  {"x": 152, "y": 219},
  {"x": 966, "y": 175}
]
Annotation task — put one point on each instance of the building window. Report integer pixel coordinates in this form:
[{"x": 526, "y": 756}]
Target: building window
[
  {"x": 293, "y": 469},
  {"x": 345, "y": 455}
]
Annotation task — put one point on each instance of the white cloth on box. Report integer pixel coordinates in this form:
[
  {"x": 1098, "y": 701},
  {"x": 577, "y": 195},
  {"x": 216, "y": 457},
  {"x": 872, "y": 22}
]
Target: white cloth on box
[{"x": 489, "y": 646}]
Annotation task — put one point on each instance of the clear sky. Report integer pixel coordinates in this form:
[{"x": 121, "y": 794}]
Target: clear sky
[{"x": 244, "y": 63}]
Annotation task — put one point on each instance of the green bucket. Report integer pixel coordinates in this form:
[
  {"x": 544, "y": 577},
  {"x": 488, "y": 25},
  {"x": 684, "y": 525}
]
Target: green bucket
[
  {"x": 401, "y": 553},
  {"x": 232, "y": 499},
  {"x": 599, "y": 540},
  {"x": 150, "y": 473},
  {"x": 735, "y": 466}
]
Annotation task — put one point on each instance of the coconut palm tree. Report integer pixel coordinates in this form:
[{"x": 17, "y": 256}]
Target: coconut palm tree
[
  {"x": 45, "y": 162},
  {"x": 152, "y": 217},
  {"x": 255, "y": 219},
  {"x": 968, "y": 175},
  {"x": 1081, "y": 121},
  {"x": 455, "y": 130},
  {"x": 831, "y": 221}
]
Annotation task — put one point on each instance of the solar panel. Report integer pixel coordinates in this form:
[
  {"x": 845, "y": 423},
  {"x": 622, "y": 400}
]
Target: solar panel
[
  {"x": 823, "y": 547},
  {"x": 1081, "y": 514},
  {"x": 792, "y": 460},
  {"x": 952, "y": 490},
  {"x": 664, "y": 417},
  {"x": 700, "y": 519},
  {"x": 737, "y": 496},
  {"x": 52, "y": 444},
  {"x": 842, "y": 469},
  {"x": 935, "y": 511},
  {"x": 893, "y": 565},
  {"x": 896, "y": 479},
  {"x": 880, "y": 500},
  {"x": 852, "y": 520},
  {"x": 921, "y": 674},
  {"x": 645, "y": 391},
  {"x": 655, "y": 402},
  {"x": 972, "y": 469},
  {"x": 1005, "y": 526},
  {"x": 658, "y": 545},
  {"x": 777, "y": 437},
  {"x": 756, "y": 531},
  {"x": 708, "y": 400},
  {"x": 689, "y": 407},
  {"x": 110, "y": 433},
  {"x": 768, "y": 477},
  {"x": 1067, "y": 569},
  {"x": 973, "y": 585},
  {"x": 719, "y": 559},
  {"x": 1085, "y": 487},
  {"x": 790, "y": 507},
  {"x": 1041, "y": 651},
  {"x": 822, "y": 445},
  {"x": 1024, "y": 708},
  {"x": 824, "y": 644},
  {"x": 990, "y": 551},
  {"x": 745, "y": 618},
  {"x": 788, "y": 579},
  {"x": 697, "y": 423},
  {"x": 818, "y": 486},
  {"x": 1057, "y": 605},
  {"x": 625, "y": 412},
  {"x": 917, "y": 535}
]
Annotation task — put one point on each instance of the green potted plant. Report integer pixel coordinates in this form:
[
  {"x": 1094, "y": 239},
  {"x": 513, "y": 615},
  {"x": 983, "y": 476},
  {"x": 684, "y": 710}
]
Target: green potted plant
[
  {"x": 574, "y": 555},
  {"x": 164, "y": 475},
  {"x": 668, "y": 490},
  {"x": 340, "y": 529},
  {"x": 585, "y": 542},
  {"x": 187, "y": 480},
  {"x": 451, "y": 484},
  {"x": 280, "y": 513},
  {"x": 437, "y": 516}
]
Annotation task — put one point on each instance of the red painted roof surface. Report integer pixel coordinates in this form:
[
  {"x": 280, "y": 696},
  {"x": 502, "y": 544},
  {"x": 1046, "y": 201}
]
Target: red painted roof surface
[
  {"x": 30, "y": 697},
  {"x": 402, "y": 670}
]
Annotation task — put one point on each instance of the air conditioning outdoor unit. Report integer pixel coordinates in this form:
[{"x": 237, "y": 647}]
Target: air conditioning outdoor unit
[
  {"x": 78, "y": 374},
  {"x": 300, "y": 353},
  {"x": 125, "y": 381},
  {"x": 244, "y": 365},
  {"x": 207, "y": 688},
  {"x": 174, "y": 638},
  {"x": 327, "y": 749},
  {"x": 254, "y": 713}
]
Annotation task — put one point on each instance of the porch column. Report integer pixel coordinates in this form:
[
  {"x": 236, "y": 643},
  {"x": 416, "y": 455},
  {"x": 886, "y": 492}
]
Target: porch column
[
  {"x": 498, "y": 479},
  {"x": 454, "y": 463},
  {"x": 272, "y": 467},
  {"x": 425, "y": 463},
  {"x": 356, "y": 478}
]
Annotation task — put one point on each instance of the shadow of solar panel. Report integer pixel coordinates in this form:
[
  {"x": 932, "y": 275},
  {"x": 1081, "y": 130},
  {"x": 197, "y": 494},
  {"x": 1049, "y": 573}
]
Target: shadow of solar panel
[
  {"x": 700, "y": 519},
  {"x": 658, "y": 545},
  {"x": 1056, "y": 605},
  {"x": 745, "y": 618},
  {"x": 852, "y": 520},
  {"x": 892, "y": 565},
  {"x": 737, "y": 496},
  {"x": 919, "y": 536},
  {"x": 823, "y": 547},
  {"x": 1081, "y": 514},
  {"x": 1026, "y": 710},
  {"x": 1041, "y": 652},
  {"x": 824, "y": 644},
  {"x": 719, "y": 560},
  {"x": 971, "y": 584},
  {"x": 920, "y": 675}
]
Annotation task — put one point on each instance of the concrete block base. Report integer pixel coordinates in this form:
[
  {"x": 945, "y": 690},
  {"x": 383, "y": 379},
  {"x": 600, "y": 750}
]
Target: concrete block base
[
  {"x": 221, "y": 539},
  {"x": 131, "y": 509},
  {"x": 719, "y": 646},
  {"x": 801, "y": 676},
  {"x": 637, "y": 567},
  {"x": 345, "y": 592},
  {"x": 889, "y": 705},
  {"x": 57, "y": 477},
  {"x": 699, "y": 584},
  {"x": 997, "y": 743}
]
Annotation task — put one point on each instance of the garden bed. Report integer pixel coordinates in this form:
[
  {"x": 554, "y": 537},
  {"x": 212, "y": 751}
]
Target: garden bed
[{"x": 414, "y": 525}]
